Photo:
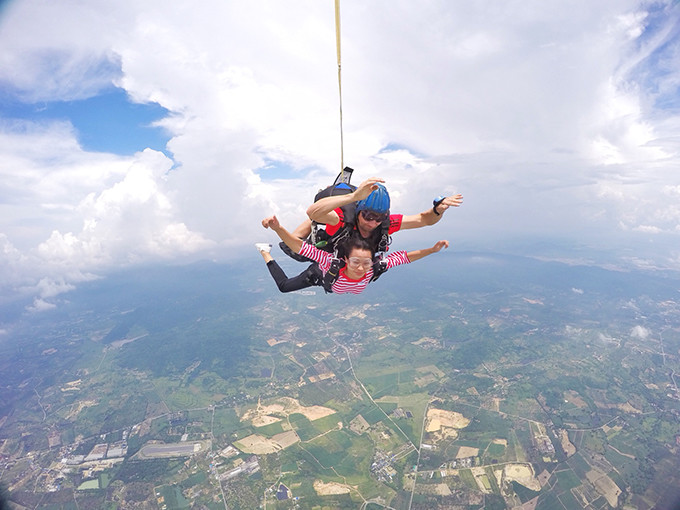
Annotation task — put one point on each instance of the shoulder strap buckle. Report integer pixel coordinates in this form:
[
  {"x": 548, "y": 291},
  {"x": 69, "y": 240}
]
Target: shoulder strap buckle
[
  {"x": 379, "y": 267},
  {"x": 332, "y": 274}
]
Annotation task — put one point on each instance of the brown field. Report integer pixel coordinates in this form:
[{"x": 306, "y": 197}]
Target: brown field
[
  {"x": 604, "y": 486},
  {"x": 543, "y": 477},
  {"x": 321, "y": 377},
  {"x": 482, "y": 479},
  {"x": 523, "y": 474},
  {"x": 439, "y": 418},
  {"x": 444, "y": 424},
  {"x": 330, "y": 488},
  {"x": 282, "y": 408},
  {"x": 467, "y": 451},
  {"x": 260, "y": 445},
  {"x": 574, "y": 398},
  {"x": 426, "y": 340},
  {"x": 359, "y": 425},
  {"x": 427, "y": 374},
  {"x": 79, "y": 406},
  {"x": 568, "y": 448},
  {"x": 530, "y": 505},
  {"x": 442, "y": 489},
  {"x": 625, "y": 407}
]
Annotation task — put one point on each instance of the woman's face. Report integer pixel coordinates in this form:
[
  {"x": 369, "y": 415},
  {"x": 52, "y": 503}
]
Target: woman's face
[{"x": 358, "y": 263}]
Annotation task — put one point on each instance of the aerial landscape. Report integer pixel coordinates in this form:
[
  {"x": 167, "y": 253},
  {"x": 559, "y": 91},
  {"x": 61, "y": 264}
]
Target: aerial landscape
[
  {"x": 527, "y": 151},
  {"x": 527, "y": 384}
]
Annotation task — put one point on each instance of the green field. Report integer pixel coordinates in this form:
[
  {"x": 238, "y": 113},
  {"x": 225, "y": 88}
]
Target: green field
[{"x": 522, "y": 360}]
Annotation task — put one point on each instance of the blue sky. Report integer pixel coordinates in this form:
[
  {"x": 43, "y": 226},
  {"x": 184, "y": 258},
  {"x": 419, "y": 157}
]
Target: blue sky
[
  {"x": 107, "y": 122},
  {"x": 138, "y": 132}
]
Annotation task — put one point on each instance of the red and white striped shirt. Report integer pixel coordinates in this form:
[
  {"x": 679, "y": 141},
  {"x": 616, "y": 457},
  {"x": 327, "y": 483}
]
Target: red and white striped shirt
[{"x": 344, "y": 284}]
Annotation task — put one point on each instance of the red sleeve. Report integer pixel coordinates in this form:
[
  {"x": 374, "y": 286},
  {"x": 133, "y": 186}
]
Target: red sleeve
[
  {"x": 395, "y": 223},
  {"x": 332, "y": 229},
  {"x": 320, "y": 257},
  {"x": 397, "y": 258}
]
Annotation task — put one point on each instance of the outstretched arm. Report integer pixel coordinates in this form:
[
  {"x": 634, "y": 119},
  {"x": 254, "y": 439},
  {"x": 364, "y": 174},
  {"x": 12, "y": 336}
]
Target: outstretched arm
[
  {"x": 294, "y": 243},
  {"x": 429, "y": 217},
  {"x": 323, "y": 211},
  {"x": 419, "y": 254}
]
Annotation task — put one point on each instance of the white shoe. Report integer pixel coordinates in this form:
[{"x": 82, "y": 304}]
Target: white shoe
[{"x": 263, "y": 247}]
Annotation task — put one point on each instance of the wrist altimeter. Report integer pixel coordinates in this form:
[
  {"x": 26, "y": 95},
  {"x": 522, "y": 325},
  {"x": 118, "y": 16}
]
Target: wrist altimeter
[{"x": 435, "y": 203}]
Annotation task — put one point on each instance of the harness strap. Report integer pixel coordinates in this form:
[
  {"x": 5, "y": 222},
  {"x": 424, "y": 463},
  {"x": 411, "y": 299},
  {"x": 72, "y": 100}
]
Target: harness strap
[
  {"x": 385, "y": 238},
  {"x": 332, "y": 274},
  {"x": 379, "y": 267}
]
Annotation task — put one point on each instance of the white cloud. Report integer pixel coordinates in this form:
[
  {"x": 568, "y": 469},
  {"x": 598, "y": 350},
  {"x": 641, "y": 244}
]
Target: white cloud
[
  {"x": 40, "y": 305},
  {"x": 548, "y": 116},
  {"x": 649, "y": 229},
  {"x": 640, "y": 332},
  {"x": 622, "y": 136},
  {"x": 50, "y": 288},
  {"x": 672, "y": 190},
  {"x": 58, "y": 50},
  {"x": 127, "y": 222},
  {"x": 606, "y": 338}
]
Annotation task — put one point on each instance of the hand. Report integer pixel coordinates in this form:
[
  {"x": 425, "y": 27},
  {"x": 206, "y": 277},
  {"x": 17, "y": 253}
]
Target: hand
[
  {"x": 366, "y": 187},
  {"x": 452, "y": 201},
  {"x": 439, "y": 245},
  {"x": 271, "y": 222}
]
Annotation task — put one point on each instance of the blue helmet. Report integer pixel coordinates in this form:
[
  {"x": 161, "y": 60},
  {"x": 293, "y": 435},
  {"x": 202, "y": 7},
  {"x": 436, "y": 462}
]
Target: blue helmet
[{"x": 378, "y": 201}]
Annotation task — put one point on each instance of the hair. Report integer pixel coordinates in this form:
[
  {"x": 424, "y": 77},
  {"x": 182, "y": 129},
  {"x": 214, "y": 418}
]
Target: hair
[{"x": 356, "y": 242}]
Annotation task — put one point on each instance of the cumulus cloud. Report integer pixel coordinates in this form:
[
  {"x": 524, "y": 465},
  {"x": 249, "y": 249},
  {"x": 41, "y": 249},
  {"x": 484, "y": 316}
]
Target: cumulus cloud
[
  {"x": 640, "y": 332},
  {"x": 554, "y": 120},
  {"x": 108, "y": 210},
  {"x": 40, "y": 305},
  {"x": 50, "y": 288},
  {"x": 126, "y": 222}
]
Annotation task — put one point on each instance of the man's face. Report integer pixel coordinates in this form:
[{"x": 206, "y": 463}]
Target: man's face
[{"x": 368, "y": 221}]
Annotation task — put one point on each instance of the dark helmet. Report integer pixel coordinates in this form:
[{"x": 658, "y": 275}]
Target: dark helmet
[{"x": 378, "y": 201}]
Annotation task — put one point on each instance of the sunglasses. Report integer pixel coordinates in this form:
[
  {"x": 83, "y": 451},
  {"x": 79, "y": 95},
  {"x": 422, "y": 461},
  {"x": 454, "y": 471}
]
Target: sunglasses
[{"x": 373, "y": 216}]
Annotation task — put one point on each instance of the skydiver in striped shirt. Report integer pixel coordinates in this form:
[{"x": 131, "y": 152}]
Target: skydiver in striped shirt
[{"x": 357, "y": 271}]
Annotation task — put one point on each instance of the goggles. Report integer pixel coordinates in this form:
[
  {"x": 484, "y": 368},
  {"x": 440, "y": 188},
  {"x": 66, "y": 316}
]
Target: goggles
[
  {"x": 359, "y": 261},
  {"x": 374, "y": 216}
]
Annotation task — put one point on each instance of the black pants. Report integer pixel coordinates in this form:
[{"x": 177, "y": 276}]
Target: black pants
[{"x": 307, "y": 278}]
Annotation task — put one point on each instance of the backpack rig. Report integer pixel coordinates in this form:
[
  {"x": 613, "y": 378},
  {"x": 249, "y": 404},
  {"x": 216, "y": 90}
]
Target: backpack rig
[{"x": 332, "y": 243}]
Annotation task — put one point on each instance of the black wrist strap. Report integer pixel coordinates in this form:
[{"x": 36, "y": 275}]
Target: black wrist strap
[{"x": 434, "y": 207}]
